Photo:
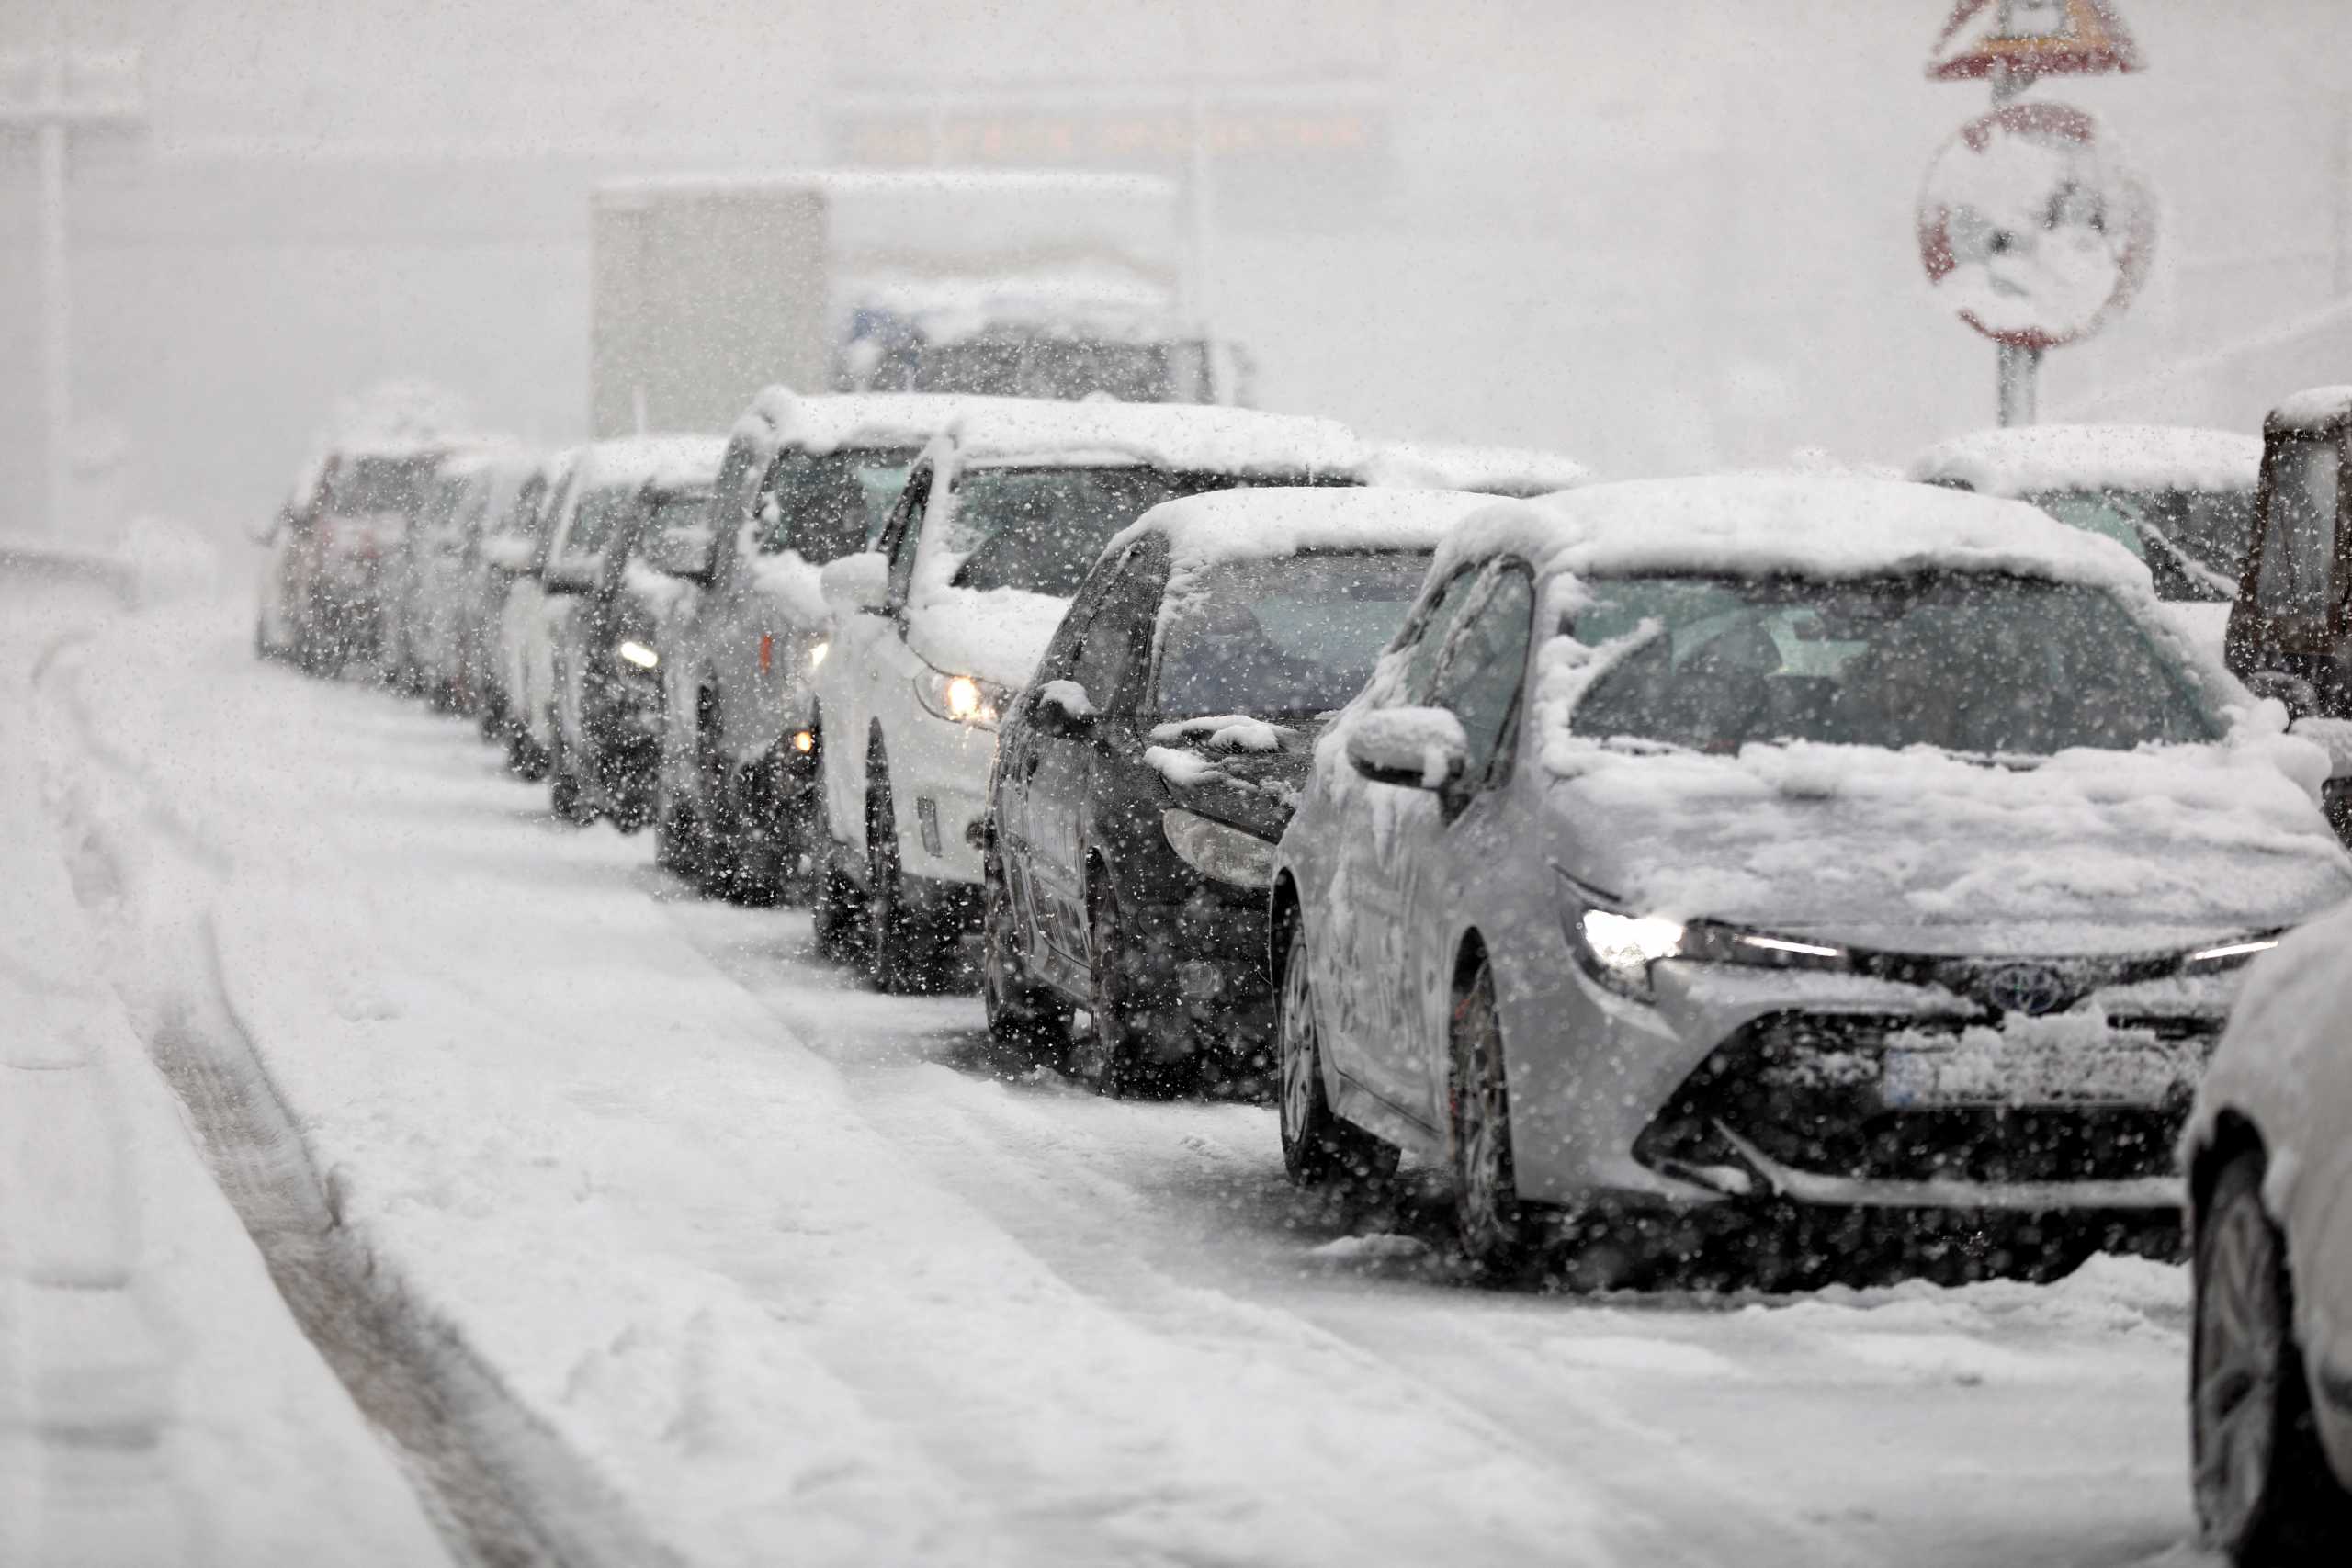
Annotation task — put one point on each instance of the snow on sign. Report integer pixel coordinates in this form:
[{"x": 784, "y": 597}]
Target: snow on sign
[
  {"x": 2031, "y": 38},
  {"x": 2033, "y": 228}
]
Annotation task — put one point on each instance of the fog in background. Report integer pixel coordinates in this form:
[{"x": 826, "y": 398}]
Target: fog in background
[{"x": 1658, "y": 237}]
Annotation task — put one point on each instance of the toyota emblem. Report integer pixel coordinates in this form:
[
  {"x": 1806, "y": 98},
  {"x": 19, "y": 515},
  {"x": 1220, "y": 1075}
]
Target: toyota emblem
[{"x": 2034, "y": 989}]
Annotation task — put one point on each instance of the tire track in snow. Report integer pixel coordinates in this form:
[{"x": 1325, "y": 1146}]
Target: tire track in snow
[{"x": 500, "y": 1487}]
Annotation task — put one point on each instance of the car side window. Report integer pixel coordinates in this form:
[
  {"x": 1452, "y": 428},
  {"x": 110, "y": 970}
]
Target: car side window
[
  {"x": 730, "y": 503},
  {"x": 1114, "y": 632},
  {"x": 1483, "y": 664},
  {"x": 902, "y": 535}
]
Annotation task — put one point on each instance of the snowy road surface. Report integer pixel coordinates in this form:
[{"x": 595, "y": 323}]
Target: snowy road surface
[{"x": 694, "y": 1253}]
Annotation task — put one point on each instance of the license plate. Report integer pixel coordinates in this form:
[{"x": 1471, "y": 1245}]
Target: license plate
[{"x": 2036, "y": 1062}]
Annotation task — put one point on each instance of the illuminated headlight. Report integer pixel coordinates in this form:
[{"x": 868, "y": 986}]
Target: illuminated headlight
[
  {"x": 1214, "y": 850},
  {"x": 636, "y": 653},
  {"x": 1618, "y": 949},
  {"x": 817, "y": 654},
  {"x": 964, "y": 699},
  {"x": 2227, "y": 955}
]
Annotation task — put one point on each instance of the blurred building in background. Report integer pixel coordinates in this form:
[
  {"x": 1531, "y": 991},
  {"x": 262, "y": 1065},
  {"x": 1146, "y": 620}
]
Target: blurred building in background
[{"x": 1659, "y": 238}]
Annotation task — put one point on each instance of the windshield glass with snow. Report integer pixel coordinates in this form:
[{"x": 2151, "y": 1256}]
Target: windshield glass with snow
[
  {"x": 825, "y": 505},
  {"x": 678, "y": 518},
  {"x": 1039, "y": 529},
  {"x": 363, "y": 486},
  {"x": 1282, "y": 639},
  {"x": 1978, "y": 664},
  {"x": 2298, "y": 536},
  {"x": 2193, "y": 542},
  {"x": 604, "y": 516}
]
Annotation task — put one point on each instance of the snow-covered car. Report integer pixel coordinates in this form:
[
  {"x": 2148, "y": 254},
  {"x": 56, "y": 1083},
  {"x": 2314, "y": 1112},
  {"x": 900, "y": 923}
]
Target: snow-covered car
[
  {"x": 2268, "y": 1152},
  {"x": 805, "y": 480},
  {"x": 1517, "y": 471},
  {"x": 1146, "y": 774},
  {"x": 425, "y": 579},
  {"x": 939, "y": 626},
  {"x": 290, "y": 555},
  {"x": 636, "y": 516},
  {"x": 366, "y": 498},
  {"x": 506, "y": 548},
  {"x": 524, "y": 660},
  {"x": 2180, "y": 499},
  {"x": 1781, "y": 863},
  {"x": 447, "y": 622}
]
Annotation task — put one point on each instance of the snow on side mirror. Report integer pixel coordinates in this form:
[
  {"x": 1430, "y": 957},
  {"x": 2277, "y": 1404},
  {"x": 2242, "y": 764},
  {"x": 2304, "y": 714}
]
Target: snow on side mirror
[
  {"x": 2276, "y": 685},
  {"x": 1064, "y": 708},
  {"x": 855, "y": 583},
  {"x": 1411, "y": 748},
  {"x": 2333, "y": 736}
]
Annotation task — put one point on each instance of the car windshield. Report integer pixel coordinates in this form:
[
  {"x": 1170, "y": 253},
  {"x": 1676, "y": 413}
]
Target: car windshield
[
  {"x": 2193, "y": 541},
  {"x": 361, "y": 486},
  {"x": 679, "y": 518},
  {"x": 604, "y": 515},
  {"x": 1977, "y": 663},
  {"x": 1282, "y": 639},
  {"x": 1040, "y": 528},
  {"x": 825, "y": 505}
]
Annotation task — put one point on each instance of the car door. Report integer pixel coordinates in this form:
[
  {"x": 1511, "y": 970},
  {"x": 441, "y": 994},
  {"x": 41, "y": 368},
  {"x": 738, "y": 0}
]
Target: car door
[
  {"x": 1472, "y": 663},
  {"x": 1348, "y": 950},
  {"x": 1016, "y": 765},
  {"x": 1111, "y": 639},
  {"x": 869, "y": 650}
]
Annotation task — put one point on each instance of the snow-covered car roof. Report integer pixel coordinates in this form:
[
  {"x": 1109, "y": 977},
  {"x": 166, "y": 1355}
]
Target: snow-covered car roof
[
  {"x": 2316, "y": 408},
  {"x": 1180, "y": 437},
  {"x": 668, "y": 462},
  {"x": 1521, "y": 472},
  {"x": 466, "y": 464},
  {"x": 780, "y": 417},
  {"x": 1257, "y": 524},
  {"x": 1795, "y": 527},
  {"x": 2036, "y": 458}
]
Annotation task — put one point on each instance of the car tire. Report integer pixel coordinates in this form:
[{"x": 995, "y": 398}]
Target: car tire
[
  {"x": 1319, "y": 1150},
  {"x": 566, "y": 795},
  {"x": 1022, "y": 1014},
  {"x": 1494, "y": 1228},
  {"x": 900, "y": 947},
  {"x": 2265, "y": 1493},
  {"x": 1113, "y": 1054}
]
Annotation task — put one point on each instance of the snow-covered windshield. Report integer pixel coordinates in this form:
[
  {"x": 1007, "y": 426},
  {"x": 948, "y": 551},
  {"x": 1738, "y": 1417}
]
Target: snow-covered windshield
[
  {"x": 1288, "y": 637},
  {"x": 824, "y": 506},
  {"x": 360, "y": 486},
  {"x": 1040, "y": 528},
  {"x": 2194, "y": 542},
  {"x": 2298, "y": 536},
  {"x": 1980, "y": 664}
]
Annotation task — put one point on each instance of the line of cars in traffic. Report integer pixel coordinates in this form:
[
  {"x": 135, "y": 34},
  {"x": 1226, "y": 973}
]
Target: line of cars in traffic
[{"x": 1774, "y": 869}]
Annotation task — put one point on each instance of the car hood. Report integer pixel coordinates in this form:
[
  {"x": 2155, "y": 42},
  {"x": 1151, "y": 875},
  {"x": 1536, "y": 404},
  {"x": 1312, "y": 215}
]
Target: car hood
[
  {"x": 1241, "y": 771},
  {"x": 995, "y": 634},
  {"x": 2089, "y": 853}
]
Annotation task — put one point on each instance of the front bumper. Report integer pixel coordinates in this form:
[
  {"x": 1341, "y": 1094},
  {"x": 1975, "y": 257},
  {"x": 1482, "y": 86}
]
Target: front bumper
[
  {"x": 1835, "y": 1093},
  {"x": 939, "y": 790}
]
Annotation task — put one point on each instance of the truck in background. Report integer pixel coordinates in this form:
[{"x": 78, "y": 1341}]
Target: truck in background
[{"x": 706, "y": 289}]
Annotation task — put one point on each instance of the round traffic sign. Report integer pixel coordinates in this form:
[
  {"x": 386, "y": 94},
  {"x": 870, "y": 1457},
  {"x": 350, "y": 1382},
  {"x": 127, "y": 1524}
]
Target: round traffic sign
[{"x": 2033, "y": 228}]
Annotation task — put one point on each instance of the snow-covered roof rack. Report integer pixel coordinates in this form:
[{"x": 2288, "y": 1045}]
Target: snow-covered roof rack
[{"x": 2037, "y": 459}]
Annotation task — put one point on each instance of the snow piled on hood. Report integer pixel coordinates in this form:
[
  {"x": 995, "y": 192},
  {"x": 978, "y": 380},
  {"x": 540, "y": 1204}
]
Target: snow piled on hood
[
  {"x": 1829, "y": 529},
  {"x": 1226, "y": 525},
  {"x": 2037, "y": 459},
  {"x": 1517, "y": 471},
  {"x": 2091, "y": 851},
  {"x": 1180, "y": 437},
  {"x": 997, "y": 634}
]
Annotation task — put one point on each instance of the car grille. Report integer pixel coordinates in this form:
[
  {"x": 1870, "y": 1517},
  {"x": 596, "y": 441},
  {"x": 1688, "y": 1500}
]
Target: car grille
[{"x": 1810, "y": 1091}]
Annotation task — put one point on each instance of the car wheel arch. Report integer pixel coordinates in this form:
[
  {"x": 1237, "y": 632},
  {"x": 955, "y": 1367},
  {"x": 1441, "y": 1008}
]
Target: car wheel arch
[{"x": 2234, "y": 1135}]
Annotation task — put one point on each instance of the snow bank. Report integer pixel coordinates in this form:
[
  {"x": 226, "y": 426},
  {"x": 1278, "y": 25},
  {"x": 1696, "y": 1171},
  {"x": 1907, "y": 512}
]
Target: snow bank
[{"x": 2037, "y": 459}]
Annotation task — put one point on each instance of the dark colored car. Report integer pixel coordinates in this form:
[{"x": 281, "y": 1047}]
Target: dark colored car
[
  {"x": 1144, "y": 777},
  {"x": 350, "y": 539}
]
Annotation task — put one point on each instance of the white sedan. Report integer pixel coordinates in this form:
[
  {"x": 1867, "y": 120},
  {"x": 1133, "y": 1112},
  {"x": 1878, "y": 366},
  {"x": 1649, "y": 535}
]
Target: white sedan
[{"x": 2269, "y": 1156}]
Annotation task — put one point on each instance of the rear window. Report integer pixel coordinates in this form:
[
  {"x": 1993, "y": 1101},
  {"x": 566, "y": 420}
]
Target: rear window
[{"x": 360, "y": 487}]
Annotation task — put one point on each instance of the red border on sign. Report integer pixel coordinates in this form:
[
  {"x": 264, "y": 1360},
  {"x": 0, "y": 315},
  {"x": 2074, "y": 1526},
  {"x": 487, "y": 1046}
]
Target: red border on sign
[{"x": 2101, "y": 45}]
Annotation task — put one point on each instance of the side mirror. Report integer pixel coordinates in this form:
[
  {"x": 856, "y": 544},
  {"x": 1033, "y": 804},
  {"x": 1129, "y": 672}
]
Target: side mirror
[
  {"x": 2333, "y": 736},
  {"x": 856, "y": 585},
  {"x": 682, "y": 553},
  {"x": 1411, "y": 748},
  {"x": 1063, "y": 708},
  {"x": 2300, "y": 695}
]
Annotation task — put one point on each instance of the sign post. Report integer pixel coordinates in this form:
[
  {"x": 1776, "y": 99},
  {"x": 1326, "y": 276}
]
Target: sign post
[
  {"x": 2021, "y": 171},
  {"x": 54, "y": 92}
]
